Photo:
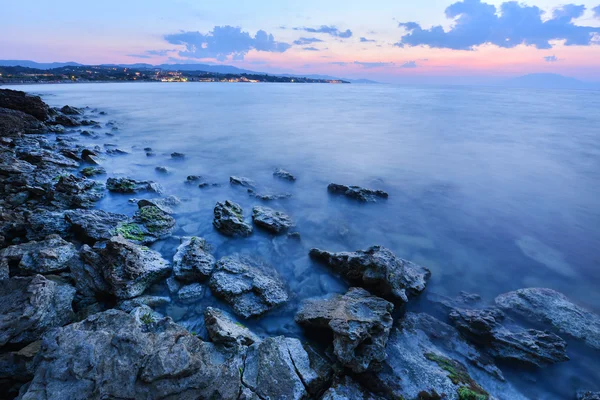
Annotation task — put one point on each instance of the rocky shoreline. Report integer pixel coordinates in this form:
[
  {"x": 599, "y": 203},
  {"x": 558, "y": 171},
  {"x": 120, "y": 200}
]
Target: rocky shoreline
[{"x": 78, "y": 319}]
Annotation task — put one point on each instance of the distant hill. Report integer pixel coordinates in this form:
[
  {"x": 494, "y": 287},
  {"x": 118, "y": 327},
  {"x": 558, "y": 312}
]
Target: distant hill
[
  {"x": 33, "y": 64},
  {"x": 316, "y": 76},
  {"x": 548, "y": 81}
]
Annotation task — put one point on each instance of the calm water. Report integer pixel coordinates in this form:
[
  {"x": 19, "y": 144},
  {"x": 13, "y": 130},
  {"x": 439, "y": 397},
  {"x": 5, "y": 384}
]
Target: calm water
[{"x": 493, "y": 189}]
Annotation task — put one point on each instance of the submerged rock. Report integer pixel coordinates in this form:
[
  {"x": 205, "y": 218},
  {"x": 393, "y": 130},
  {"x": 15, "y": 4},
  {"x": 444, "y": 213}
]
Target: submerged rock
[
  {"x": 241, "y": 181},
  {"x": 94, "y": 225},
  {"x": 52, "y": 255},
  {"x": 271, "y": 220},
  {"x": 550, "y": 307},
  {"x": 378, "y": 270},
  {"x": 269, "y": 197},
  {"x": 191, "y": 293},
  {"x": 192, "y": 261},
  {"x": 248, "y": 286},
  {"x": 360, "y": 323},
  {"x": 357, "y": 192},
  {"x": 31, "y": 306},
  {"x": 283, "y": 174},
  {"x": 177, "y": 155},
  {"x": 229, "y": 219},
  {"x": 92, "y": 171},
  {"x": 128, "y": 185},
  {"x": 223, "y": 329},
  {"x": 587, "y": 395}
]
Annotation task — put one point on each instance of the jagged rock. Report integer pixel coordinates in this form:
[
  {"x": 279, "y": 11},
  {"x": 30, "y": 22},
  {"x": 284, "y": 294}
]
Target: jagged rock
[
  {"x": 92, "y": 171},
  {"x": 164, "y": 204},
  {"x": 271, "y": 220},
  {"x": 378, "y": 270},
  {"x": 360, "y": 323},
  {"x": 229, "y": 219},
  {"x": 41, "y": 223},
  {"x": 68, "y": 110},
  {"x": 128, "y": 185},
  {"x": 13, "y": 122},
  {"x": 21, "y": 101},
  {"x": 281, "y": 368},
  {"x": 283, "y": 174},
  {"x": 249, "y": 287},
  {"x": 269, "y": 197},
  {"x": 550, "y": 307},
  {"x": 348, "y": 389},
  {"x": 116, "y": 355},
  {"x": 65, "y": 120},
  {"x": 17, "y": 368},
  {"x": 90, "y": 156},
  {"x": 223, "y": 329},
  {"x": 157, "y": 223},
  {"x": 145, "y": 300},
  {"x": 48, "y": 256},
  {"x": 191, "y": 293},
  {"x": 587, "y": 395},
  {"x": 43, "y": 156},
  {"x": 241, "y": 181},
  {"x": 76, "y": 192},
  {"x": 94, "y": 225},
  {"x": 529, "y": 346},
  {"x": 192, "y": 261},
  {"x": 357, "y": 192},
  {"x": 11, "y": 165},
  {"x": 30, "y": 306},
  {"x": 127, "y": 268},
  {"x": 88, "y": 275}
]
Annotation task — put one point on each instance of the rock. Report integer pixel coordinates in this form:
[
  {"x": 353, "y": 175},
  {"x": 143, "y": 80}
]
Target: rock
[
  {"x": 75, "y": 192},
  {"x": 127, "y": 185},
  {"x": 92, "y": 171},
  {"x": 229, "y": 219},
  {"x": 43, "y": 156},
  {"x": 248, "y": 286},
  {"x": 89, "y": 275},
  {"x": 127, "y": 268},
  {"x": 192, "y": 261},
  {"x": 283, "y": 174},
  {"x": 52, "y": 255},
  {"x": 223, "y": 329},
  {"x": 528, "y": 346},
  {"x": 116, "y": 355},
  {"x": 21, "y": 101},
  {"x": 116, "y": 152},
  {"x": 68, "y": 110},
  {"x": 360, "y": 323},
  {"x": 550, "y": 307},
  {"x": 191, "y": 293},
  {"x": 165, "y": 204},
  {"x": 193, "y": 179},
  {"x": 30, "y": 306},
  {"x": 13, "y": 122},
  {"x": 587, "y": 395},
  {"x": 241, "y": 181},
  {"x": 90, "y": 156},
  {"x": 271, "y": 220},
  {"x": 378, "y": 270},
  {"x": 269, "y": 197},
  {"x": 143, "y": 301},
  {"x": 65, "y": 120},
  {"x": 280, "y": 368},
  {"x": 347, "y": 389},
  {"x": 17, "y": 368},
  {"x": 357, "y": 192},
  {"x": 94, "y": 225},
  {"x": 177, "y": 155},
  {"x": 157, "y": 223},
  {"x": 42, "y": 223},
  {"x": 162, "y": 170}
]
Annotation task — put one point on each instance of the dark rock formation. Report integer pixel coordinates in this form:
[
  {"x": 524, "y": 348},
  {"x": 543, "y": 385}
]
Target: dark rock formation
[
  {"x": 347, "y": 389},
  {"x": 223, "y": 329},
  {"x": 76, "y": 192},
  {"x": 360, "y": 323},
  {"x": 283, "y": 174},
  {"x": 241, "y": 181},
  {"x": 68, "y": 110},
  {"x": 177, "y": 155},
  {"x": 357, "y": 192},
  {"x": 94, "y": 225},
  {"x": 271, "y": 220},
  {"x": 378, "y": 270},
  {"x": 157, "y": 223},
  {"x": 229, "y": 219},
  {"x": 192, "y": 261},
  {"x": 17, "y": 368},
  {"x": 165, "y": 203},
  {"x": 88, "y": 172},
  {"x": 21, "y": 101},
  {"x": 248, "y": 286},
  {"x": 128, "y": 185},
  {"x": 13, "y": 122}
]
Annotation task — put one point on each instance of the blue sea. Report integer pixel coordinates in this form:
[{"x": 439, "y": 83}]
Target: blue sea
[{"x": 493, "y": 189}]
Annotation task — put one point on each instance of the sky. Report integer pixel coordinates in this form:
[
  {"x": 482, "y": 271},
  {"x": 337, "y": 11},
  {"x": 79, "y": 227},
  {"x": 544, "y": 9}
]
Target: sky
[{"x": 386, "y": 40}]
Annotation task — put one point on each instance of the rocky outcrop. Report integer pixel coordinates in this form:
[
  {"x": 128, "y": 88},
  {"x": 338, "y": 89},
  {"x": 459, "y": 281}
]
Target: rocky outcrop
[
  {"x": 554, "y": 309},
  {"x": 68, "y": 110},
  {"x": 13, "y": 123},
  {"x": 241, "y": 181},
  {"x": 31, "y": 306},
  {"x": 94, "y": 225},
  {"x": 249, "y": 287},
  {"x": 357, "y": 192},
  {"x": 360, "y": 323},
  {"x": 192, "y": 261},
  {"x": 378, "y": 270},
  {"x": 283, "y": 174},
  {"x": 229, "y": 219},
  {"x": 21, "y": 101},
  {"x": 271, "y": 220},
  {"x": 223, "y": 329},
  {"x": 76, "y": 192},
  {"x": 530, "y": 346},
  {"x": 128, "y": 185}
]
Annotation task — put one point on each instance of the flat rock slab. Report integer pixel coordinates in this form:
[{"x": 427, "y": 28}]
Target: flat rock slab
[
  {"x": 271, "y": 220},
  {"x": 357, "y": 193}
]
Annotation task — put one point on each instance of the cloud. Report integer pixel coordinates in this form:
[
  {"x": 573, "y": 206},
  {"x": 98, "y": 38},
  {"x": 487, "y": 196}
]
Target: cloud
[
  {"x": 596, "y": 11},
  {"x": 304, "y": 40},
  {"x": 365, "y": 40},
  {"x": 223, "y": 42},
  {"x": 139, "y": 55},
  {"x": 477, "y": 23},
  {"x": 151, "y": 53},
  {"x": 409, "y": 64},
  {"x": 330, "y": 30},
  {"x": 310, "y": 49},
  {"x": 373, "y": 64},
  {"x": 550, "y": 59},
  {"x": 339, "y": 63}
]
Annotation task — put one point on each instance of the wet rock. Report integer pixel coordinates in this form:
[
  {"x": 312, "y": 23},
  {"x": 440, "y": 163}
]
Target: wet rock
[
  {"x": 378, "y": 270},
  {"x": 192, "y": 261},
  {"x": 360, "y": 323},
  {"x": 229, "y": 219},
  {"x": 17, "y": 368},
  {"x": 116, "y": 355},
  {"x": 165, "y": 204},
  {"x": 52, "y": 255},
  {"x": 587, "y": 395},
  {"x": 145, "y": 300},
  {"x": 157, "y": 223},
  {"x": 10, "y": 165},
  {"x": 552, "y": 308},
  {"x": 528, "y": 346},
  {"x": 65, "y": 120},
  {"x": 162, "y": 170},
  {"x": 283, "y": 174},
  {"x": 68, "y": 110},
  {"x": 116, "y": 152},
  {"x": 248, "y": 286},
  {"x": 357, "y": 192},
  {"x": 193, "y": 179},
  {"x": 177, "y": 155},
  {"x": 223, "y": 329},
  {"x": 269, "y": 197},
  {"x": 347, "y": 389},
  {"x": 241, "y": 181},
  {"x": 30, "y": 306},
  {"x": 191, "y": 293},
  {"x": 76, "y": 192},
  {"x": 280, "y": 368},
  {"x": 94, "y": 225},
  {"x": 271, "y": 220},
  {"x": 41, "y": 223},
  {"x": 128, "y": 185},
  {"x": 13, "y": 122},
  {"x": 21, "y": 101},
  {"x": 88, "y": 172},
  {"x": 89, "y": 134},
  {"x": 43, "y": 156},
  {"x": 90, "y": 156}
]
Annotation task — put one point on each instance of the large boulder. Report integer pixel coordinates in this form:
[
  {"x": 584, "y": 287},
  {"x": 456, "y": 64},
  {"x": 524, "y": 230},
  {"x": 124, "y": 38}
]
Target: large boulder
[
  {"x": 250, "y": 287},
  {"x": 360, "y": 323},
  {"x": 271, "y": 220},
  {"x": 192, "y": 261},
  {"x": 357, "y": 192},
  {"x": 530, "y": 346},
  {"x": 378, "y": 270},
  {"x": 14, "y": 123},
  {"x": 21, "y": 101},
  {"x": 30, "y": 306},
  {"x": 552, "y": 308},
  {"x": 229, "y": 219},
  {"x": 223, "y": 329}
]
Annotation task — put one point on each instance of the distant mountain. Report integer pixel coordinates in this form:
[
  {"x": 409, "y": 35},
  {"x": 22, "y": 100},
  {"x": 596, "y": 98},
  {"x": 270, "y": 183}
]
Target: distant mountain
[
  {"x": 329, "y": 77},
  {"x": 548, "y": 81},
  {"x": 33, "y": 64}
]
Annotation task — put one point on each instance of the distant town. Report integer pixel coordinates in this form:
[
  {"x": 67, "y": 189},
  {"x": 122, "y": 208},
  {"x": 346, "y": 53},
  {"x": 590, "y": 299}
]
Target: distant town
[{"x": 67, "y": 74}]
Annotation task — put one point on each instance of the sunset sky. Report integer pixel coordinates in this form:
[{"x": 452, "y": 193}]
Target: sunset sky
[{"x": 390, "y": 41}]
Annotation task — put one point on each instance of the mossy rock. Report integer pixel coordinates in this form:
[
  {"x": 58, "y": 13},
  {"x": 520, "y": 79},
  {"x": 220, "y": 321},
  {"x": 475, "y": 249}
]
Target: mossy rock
[{"x": 459, "y": 375}]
